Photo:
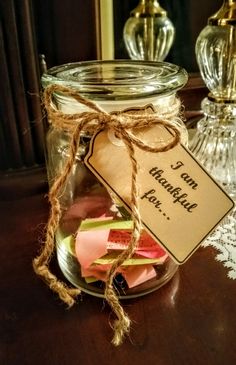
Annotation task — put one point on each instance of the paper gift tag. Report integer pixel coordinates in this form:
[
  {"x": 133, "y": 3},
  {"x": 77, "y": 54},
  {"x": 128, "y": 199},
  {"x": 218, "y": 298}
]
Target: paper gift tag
[{"x": 179, "y": 202}]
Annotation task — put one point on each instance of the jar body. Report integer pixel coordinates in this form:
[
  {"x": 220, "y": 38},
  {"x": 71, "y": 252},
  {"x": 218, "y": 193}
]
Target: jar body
[{"x": 94, "y": 226}]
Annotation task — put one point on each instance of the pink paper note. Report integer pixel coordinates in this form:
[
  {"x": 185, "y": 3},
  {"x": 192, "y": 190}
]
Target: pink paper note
[
  {"x": 137, "y": 275},
  {"x": 89, "y": 206},
  {"x": 153, "y": 255},
  {"x": 91, "y": 245}
]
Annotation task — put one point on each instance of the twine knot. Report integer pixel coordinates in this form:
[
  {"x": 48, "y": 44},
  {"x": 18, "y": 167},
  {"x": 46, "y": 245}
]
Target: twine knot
[{"x": 123, "y": 124}]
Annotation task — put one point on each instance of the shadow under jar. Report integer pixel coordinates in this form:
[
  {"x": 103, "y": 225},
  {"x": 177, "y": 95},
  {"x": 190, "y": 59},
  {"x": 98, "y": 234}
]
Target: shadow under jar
[{"x": 92, "y": 218}]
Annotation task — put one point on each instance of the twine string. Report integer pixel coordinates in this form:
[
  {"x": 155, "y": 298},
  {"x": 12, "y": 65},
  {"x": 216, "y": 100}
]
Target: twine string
[
  {"x": 122, "y": 324},
  {"x": 92, "y": 121}
]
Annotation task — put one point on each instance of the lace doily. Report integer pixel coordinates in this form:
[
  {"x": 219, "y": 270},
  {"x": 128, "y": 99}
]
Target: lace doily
[{"x": 224, "y": 240}]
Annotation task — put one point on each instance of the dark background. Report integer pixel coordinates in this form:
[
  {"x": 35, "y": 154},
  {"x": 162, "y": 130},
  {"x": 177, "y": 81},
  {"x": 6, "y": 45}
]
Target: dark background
[
  {"x": 66, "y": 31},
  {"x": 189, "y": 18}
]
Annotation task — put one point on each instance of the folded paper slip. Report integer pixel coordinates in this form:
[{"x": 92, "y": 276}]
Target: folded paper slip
[
  {"x": 133, "y": 275},
  {"x": 99, "y": 239},
  {"x": 69, "y": 243}
]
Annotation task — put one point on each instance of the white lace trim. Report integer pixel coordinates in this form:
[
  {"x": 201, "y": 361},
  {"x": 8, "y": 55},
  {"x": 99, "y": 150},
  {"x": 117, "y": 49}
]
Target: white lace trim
[{"x": 224, "y": 240}]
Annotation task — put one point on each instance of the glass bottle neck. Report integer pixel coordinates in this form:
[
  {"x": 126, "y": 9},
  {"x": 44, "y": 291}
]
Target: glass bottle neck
[
  {"x": 229, "y": 2},
  {"x": 148, "y": 8},
  {"x": 226, "y": 15},
  {"x": 149, "y": 2},
  {"x": 219, "y": 113}
]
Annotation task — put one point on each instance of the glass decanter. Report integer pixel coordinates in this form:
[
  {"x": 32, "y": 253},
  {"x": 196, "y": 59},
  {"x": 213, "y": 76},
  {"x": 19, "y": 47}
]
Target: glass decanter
[
  {"x": 148, "y": 33},
  {"x": 214, "y": 143}
]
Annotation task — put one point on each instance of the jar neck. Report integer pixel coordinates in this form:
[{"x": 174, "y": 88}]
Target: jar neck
[{"x": 69, "y": 105}]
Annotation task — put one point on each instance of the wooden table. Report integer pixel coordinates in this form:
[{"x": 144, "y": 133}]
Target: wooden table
[{"x": 190, "y": 321}]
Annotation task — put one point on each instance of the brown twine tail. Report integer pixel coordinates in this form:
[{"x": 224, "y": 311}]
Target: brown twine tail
[
  {"x": 122, "y": 324},
  {"x": 66, "y": 294},
  {"x": 40, "y": 263},
  {"x": 100, "y": 119}
]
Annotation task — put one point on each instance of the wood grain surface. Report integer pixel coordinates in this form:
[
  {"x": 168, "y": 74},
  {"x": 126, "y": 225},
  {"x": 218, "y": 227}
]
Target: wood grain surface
[{"x": 189, "y": 321}]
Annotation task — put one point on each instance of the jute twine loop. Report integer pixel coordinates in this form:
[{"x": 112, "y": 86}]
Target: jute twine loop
[{"x": 92, "y": 121}]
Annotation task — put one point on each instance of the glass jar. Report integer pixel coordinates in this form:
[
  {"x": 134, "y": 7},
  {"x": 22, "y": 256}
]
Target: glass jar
[{"x": 91, "y": 215}]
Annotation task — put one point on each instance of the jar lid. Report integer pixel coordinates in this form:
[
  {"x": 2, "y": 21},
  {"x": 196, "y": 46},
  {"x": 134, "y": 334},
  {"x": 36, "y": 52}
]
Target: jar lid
[{"x": 118, "y": 79}]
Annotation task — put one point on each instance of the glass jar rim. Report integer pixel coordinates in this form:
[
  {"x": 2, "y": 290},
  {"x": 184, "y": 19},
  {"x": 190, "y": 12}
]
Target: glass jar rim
[{"x": 118, "y": 79}]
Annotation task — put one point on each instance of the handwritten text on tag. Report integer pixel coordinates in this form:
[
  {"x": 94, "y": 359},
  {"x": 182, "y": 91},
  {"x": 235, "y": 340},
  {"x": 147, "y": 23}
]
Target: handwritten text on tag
[{"x": 179, "y": 203}]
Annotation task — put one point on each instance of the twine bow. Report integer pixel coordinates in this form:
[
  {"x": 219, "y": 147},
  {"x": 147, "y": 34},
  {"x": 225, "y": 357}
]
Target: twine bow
[{"x": 93, "y": 121}]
